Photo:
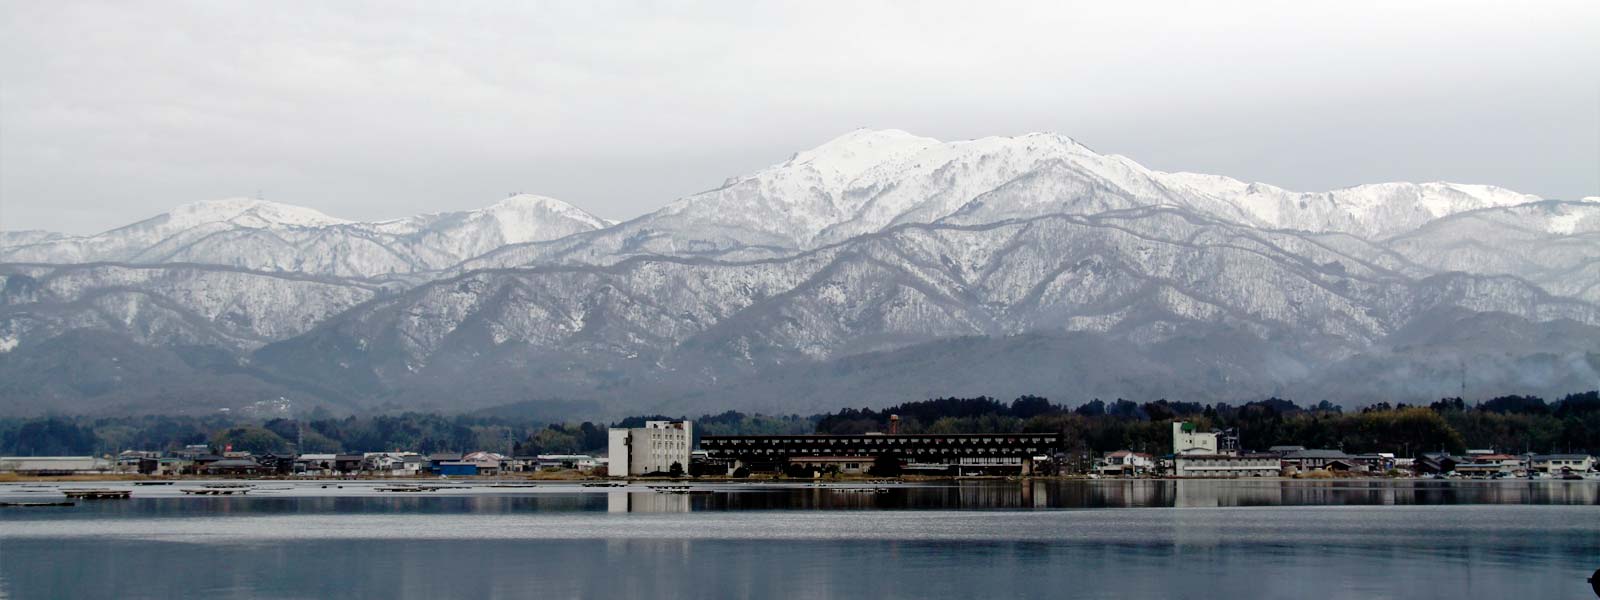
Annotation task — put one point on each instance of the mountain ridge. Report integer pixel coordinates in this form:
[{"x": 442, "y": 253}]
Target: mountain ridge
[
  {"x": 280, "y": 237},
  {"x": 875, "y": 251}
]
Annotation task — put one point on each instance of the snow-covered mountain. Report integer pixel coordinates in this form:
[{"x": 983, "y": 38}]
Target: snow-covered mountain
[
  {"x": 256, "y": 234},
  {"x": 1144, "y": 278},
  {"x": 869, "y": 180},
  {"x": 168, "y": 305},
  {"x": 879, "y": 262},
  {"x": 1553, "y": 244}
]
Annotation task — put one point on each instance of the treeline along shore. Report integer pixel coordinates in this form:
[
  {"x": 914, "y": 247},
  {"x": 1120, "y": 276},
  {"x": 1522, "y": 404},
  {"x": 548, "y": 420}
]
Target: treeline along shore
[{"x": 1509, "y": 423}]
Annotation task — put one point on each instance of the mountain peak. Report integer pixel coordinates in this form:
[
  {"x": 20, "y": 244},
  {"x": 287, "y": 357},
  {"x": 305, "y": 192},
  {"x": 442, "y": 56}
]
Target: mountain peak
[
  {"x": 530, "y": 217},
  {"x": 249, "y": 212},
  {"x": 523, "y": 200},
  {"x": 843, "y": 158}
]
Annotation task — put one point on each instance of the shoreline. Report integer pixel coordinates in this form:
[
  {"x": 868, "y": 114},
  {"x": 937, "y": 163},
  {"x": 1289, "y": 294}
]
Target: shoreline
[{"x": 123, "y": 478}]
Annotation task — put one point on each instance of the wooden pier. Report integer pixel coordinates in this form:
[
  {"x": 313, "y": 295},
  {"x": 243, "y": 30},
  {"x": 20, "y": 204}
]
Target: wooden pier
[
  {"x": 98, "y": 494},
  {"x": 677, "y": 489},
  {"x": 228, "y": 491}
]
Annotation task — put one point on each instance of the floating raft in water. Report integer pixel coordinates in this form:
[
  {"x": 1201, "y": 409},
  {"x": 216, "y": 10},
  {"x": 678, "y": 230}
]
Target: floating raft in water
[
  {"x": 98, "y": 494},
  {"x": 677, "y": 489},
  {"x": 410, "y": 488},
  {"x": 153, "y": 482},
  {"x": 229, "y": 491},
  {"x": 24, "y": 504},
  {"x": 874, "y": 490},
  {"x": 604, "y": 484}
]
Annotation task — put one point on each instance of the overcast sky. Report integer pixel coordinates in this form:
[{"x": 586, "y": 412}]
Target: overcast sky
[{"x": 114, "y": 112}]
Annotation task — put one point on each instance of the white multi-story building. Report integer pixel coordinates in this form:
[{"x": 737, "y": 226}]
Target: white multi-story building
[
  {"x": 1188, "y": 439},
  {"x": 650, "y": 449}
]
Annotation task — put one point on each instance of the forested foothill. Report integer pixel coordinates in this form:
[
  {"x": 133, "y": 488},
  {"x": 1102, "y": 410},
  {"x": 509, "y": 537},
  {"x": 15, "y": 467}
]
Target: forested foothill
[{"x": 1507, "y": 424}]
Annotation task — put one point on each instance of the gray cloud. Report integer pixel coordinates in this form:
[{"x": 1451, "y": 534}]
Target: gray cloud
[{"x": 112, "y": 112}]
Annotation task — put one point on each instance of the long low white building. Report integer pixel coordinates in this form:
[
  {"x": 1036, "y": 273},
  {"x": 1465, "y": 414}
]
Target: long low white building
[
  {"x": 55, "y": 465},
  {"x": 1226, "y": 465}
]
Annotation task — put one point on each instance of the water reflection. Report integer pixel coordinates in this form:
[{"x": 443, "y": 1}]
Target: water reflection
[
  {"x": 1485, "y": 551},
  {"x": 646, "y": 502},
  {"x": 946, "y": 495},
  {"x": 952, "y": 539},
  {"x": 1069, "y": 494}
]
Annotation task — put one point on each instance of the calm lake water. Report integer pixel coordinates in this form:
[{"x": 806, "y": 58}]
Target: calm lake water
[{"x": 1041, "y": 539}]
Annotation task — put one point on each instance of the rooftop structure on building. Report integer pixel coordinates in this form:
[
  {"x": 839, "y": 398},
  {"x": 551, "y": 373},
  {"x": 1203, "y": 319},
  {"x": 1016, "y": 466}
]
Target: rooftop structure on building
[{"x": 1187, "y": 438}]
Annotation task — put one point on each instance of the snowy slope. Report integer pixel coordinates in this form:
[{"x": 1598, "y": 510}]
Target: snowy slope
[
  {"x": 168, "y": 305},
  {"x": 867, "y": 180},
  {"x": 1554, "y": 244},
  {"x": 262, "y": 235},
  {"x": 876, "y": 244},
  {"x": 1373, "y": 211},
  {"x": 1146, "y": 277}
]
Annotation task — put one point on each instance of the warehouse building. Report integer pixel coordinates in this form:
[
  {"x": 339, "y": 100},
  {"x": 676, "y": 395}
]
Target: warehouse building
[{"x": 931, "y": 454}]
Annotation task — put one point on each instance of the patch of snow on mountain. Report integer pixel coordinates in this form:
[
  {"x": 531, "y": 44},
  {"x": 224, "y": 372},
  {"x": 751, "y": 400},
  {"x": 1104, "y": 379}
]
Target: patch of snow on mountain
[
  {"x": 841, "y": 160},
  {"x": 528, "y": 218},
  {"x": 247, "y": 212},
  {"x": 255, "y": 234}
]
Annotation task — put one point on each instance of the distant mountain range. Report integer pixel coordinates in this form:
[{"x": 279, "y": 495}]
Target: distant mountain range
[
  {"x": 268, "y": 236},
  {"x": 877, "y": 268}
]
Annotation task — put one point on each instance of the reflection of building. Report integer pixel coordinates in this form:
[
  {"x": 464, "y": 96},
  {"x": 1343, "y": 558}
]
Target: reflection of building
[
  {"x": 957, "y": 454},
  {"x": 653, "y": 448},
  {"x": 1200, "y": 493},
  {"x": 646, "y": 502}
]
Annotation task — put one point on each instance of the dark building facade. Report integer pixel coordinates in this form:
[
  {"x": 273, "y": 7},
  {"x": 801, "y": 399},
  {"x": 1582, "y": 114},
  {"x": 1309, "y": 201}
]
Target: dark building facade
[{"x": 933, "y": 454}]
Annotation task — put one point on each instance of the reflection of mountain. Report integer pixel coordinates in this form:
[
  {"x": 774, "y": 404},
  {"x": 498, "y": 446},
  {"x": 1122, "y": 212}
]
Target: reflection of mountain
[{"x": 877, "y": 268}]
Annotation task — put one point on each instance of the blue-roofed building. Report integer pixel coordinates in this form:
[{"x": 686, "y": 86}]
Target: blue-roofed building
[{"x": 456, "y": 468}]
